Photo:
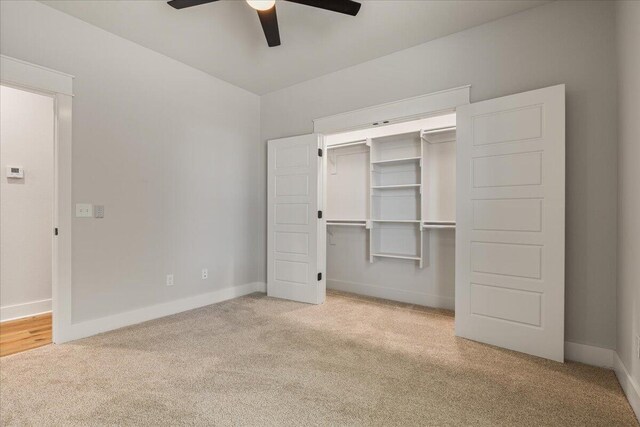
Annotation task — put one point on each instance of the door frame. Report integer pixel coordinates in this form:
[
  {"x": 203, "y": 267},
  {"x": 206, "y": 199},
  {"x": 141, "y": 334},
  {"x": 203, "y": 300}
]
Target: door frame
[
  {"x": 392, "y": 113},
  {"x": 44, "y": 81}
]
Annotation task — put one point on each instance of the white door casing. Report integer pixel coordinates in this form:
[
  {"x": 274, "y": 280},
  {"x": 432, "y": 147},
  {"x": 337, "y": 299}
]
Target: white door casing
[
  {"x": 510, "y": 231},
  {"x": 31, "y": 77},
  {"x": 296, "y": 236}
]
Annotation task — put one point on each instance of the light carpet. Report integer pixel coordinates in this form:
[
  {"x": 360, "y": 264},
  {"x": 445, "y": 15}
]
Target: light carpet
[{"x": 262, "y": 361}]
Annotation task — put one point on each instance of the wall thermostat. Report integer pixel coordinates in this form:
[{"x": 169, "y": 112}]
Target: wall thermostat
[{"x": 15, "y": 172}]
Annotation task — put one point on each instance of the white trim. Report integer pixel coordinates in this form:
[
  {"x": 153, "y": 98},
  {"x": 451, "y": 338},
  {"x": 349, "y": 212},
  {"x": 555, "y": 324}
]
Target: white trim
[
  {"x": 629, "y": 385},
  {"x": 588, "y": 354},
  {"x": 27, "y": 309},
  {"x": 116, "y": 321},
  {"x": 62, "y": 219},
  {"x": 396, "y": 111},
  {"x": 35, "y": 76},
  {"x": 32, "y": 77},
  {"x": 409, "y": 297}
]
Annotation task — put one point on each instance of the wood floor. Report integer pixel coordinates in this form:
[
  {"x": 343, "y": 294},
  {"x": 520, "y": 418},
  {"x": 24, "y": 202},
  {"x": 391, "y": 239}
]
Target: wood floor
[{"x": 25, "y": 334}]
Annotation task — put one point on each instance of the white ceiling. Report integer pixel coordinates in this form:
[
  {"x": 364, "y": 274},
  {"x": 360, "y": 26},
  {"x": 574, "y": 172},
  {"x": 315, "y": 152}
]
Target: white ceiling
[{"x": 225, "y": 38}]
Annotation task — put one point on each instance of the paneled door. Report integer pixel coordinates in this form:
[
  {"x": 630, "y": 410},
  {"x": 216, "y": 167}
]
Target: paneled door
[
  {"x": 296, "y": 229},
  {"x": 511, "y": 222}
]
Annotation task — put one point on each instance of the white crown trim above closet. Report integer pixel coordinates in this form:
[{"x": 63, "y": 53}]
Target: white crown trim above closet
[{"x": 435, "y": 103}]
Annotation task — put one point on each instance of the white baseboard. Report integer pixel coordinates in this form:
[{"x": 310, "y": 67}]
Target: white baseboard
[
  {"x": 17, "y": 311},
  {"x": 120, "y": 320},
  {"x": 400, "y": 295},
  {"x": 629, "y": 385},
  {"x": 589, "y": 354}
]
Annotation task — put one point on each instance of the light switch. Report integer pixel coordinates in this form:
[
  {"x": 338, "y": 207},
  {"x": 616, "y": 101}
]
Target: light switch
[
  {"x": 84, "y": 210},
  {"x": 98, "y": 211}
]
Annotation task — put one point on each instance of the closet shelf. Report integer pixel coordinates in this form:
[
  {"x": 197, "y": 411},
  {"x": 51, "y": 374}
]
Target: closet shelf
[
  {"x": 398, "y": 256},
  {"x": 396, "y": 161},
  {"x": 438, "y": 136},
  {"x": 384, "y": 187},
  {"x": 347, "y": 144},
  {"x": 438, "y": 224},
  {"x": 347, "y": 222},
  {"x": 410, "y": 221}
]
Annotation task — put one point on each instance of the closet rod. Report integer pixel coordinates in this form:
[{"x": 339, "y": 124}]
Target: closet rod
[
  {"x": 347, "y": 223},
  {"x": 347, "y": 144}
]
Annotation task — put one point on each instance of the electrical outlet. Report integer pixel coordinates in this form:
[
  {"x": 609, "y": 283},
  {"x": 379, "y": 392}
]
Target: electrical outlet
[
  {"x": 169, "y": 279},
  {"x": 98, "y": 211},
  {"x": 205, "y": 273}
]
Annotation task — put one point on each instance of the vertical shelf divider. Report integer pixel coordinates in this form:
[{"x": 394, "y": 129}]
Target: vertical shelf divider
[
  {"x": 372, "y": 156},
  {"x": 421, "y": 199}
]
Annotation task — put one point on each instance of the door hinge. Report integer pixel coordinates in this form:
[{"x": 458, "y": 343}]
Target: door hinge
[
  {"x": 319, "y": 277},
  {"x": 319, "y": 152},
  {"x": 319, "y": 214},
  {"x": 55, "y": 231}
]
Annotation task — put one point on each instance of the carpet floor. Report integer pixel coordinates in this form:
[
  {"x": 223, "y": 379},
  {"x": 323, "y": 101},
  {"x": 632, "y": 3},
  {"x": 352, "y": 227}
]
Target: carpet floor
[{"x": 262, "y": 361}]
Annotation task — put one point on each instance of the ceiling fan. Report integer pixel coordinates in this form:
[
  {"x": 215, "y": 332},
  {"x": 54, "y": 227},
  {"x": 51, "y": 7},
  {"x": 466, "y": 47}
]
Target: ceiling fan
[{"x": 267, "y": 12}]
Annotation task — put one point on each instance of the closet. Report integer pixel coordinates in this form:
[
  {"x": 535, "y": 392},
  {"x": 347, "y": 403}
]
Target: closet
[
  {"x": 433, "y": 201},
  {"x": 391, "y": 202}
]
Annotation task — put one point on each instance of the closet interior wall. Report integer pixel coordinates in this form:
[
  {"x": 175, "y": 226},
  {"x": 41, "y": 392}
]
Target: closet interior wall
[{"x": 391, "y": 211}]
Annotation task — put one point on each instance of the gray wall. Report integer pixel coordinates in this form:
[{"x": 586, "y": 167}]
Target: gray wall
[
  {"x": 170, "y": 151},
  {"x": 628, "y": 20},
  {"x": 561, "y": 42}
]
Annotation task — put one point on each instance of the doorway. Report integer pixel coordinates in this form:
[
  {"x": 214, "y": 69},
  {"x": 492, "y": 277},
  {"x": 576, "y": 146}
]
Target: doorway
[
  {"x": 390, "y": 211},
  {"x": 27, "y": 153}
]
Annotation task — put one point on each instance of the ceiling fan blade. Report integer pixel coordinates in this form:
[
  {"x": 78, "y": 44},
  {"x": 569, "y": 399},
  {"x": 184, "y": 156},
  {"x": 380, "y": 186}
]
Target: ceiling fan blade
[
  {"x": 181, "y": 4},
  {"x": 269, "y": 21},
  {"x": 347, "y": 7}
]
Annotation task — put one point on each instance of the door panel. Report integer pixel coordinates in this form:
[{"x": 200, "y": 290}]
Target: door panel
[
  {"x": 510, "y": 222},
  {"x": 295, "y": 253}
]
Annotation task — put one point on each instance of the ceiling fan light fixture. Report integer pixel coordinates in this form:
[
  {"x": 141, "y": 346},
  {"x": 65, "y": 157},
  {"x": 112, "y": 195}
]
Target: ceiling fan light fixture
[{"x": 261, "y": 4}]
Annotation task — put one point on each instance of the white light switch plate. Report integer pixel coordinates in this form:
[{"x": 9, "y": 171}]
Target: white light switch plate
[{"x": 84, "y": 210}]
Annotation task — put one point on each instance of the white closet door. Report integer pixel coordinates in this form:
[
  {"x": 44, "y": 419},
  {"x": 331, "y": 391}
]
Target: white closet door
[
  {"x": 296, "y": 236},
  {"x": 510, "y": 222}
]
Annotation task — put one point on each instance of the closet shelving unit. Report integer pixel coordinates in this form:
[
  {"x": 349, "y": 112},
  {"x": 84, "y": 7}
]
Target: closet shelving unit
[
  {"x": 395, "y": 197},
  {"x": 406, "y": 190}
]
